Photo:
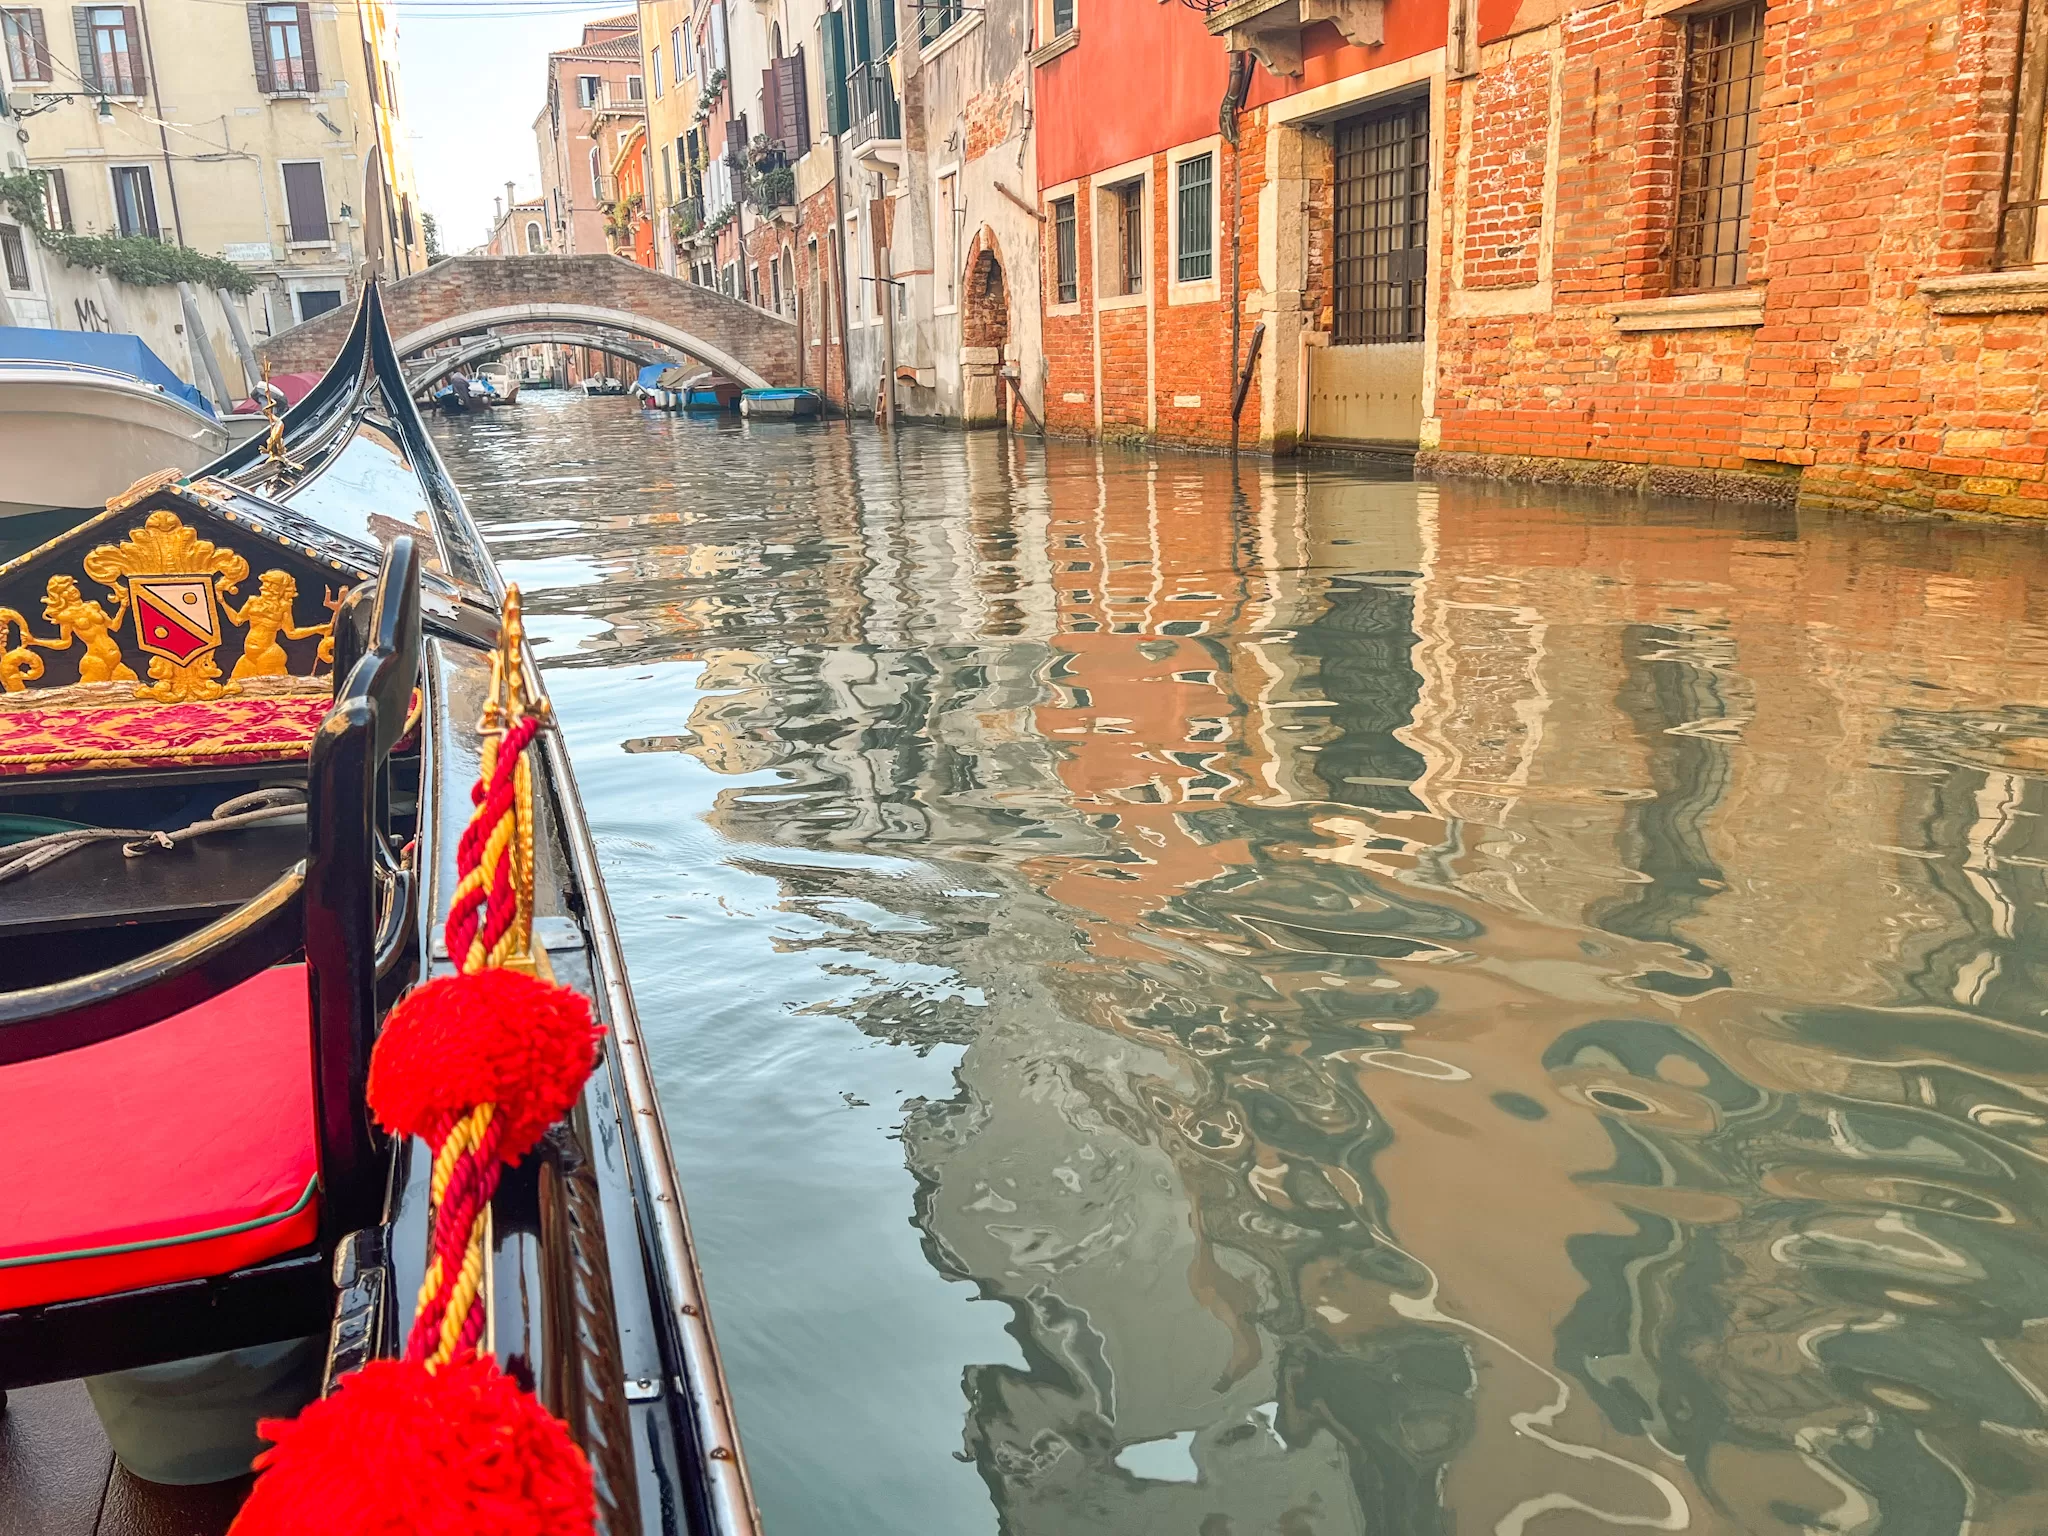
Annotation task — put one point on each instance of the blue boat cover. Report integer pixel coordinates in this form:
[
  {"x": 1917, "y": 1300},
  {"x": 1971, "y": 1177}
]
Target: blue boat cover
[
  {"x": 778, "y": 394},
  {"x": 116, "y": 352},
  {"x": 652, "y": 372}
]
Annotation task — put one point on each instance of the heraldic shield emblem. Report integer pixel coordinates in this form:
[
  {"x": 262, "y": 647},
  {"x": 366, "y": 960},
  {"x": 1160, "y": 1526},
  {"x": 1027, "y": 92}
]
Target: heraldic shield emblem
[{"x": 175, "y": 616}]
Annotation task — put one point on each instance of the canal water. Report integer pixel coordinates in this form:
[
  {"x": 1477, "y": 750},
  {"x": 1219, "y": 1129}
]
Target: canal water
[{"x": 1306, "y": 1004}]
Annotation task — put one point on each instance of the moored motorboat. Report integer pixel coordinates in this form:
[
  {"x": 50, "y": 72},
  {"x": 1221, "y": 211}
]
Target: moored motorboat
[
  {"x": 780, "y": 404},
  {"x": 501, "y": 384},
  {"x": 84, "y": 414},
  {"x": 256, "y": 700}
]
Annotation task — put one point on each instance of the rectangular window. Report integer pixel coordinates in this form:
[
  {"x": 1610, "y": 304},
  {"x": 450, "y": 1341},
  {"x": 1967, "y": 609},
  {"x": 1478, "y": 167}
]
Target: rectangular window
[
  {"x": 56, "y": 201},
  {"x": 317, "y": 301},
  {"x": 1129, "y": 200},
  {"x": 1717, "y": 148},
  {"x": 282, "y": 38},
  {"x": 656, "y": 71},
  {"x": 135, "y": 201},
  {"x": 1381, "y": 226},
  {"x": 635, "y": 89},
  {"x": 586, "y": 90},
  {"x": 668, "y": 189},
  {"x": 678, "y": 58},
  {"x": 1194, "y": 207},
  {"x": 14, "y": 255},
  {"x": 28, "y": 46},
  {"x": 305, "y": 202},
  {"x": 1062, "y": 17},
  {"x": 935, "y": 16},
  {"x": 1066, "y": 253},
  {"x": 110, "y": 49}
]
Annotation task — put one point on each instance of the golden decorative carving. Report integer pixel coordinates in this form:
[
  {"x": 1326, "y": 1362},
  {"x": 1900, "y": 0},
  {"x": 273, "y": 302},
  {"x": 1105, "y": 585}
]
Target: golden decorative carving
[
  {"x": 267, "y": 615},
  {"x": 167, "y": 575},
  {"x": 79, "y": 617},
  {"x": 19, "y": 666},
  {"x": 147, "y": 486}
]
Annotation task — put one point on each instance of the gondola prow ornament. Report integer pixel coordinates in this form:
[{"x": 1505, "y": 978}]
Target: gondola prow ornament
[{"x": 478, "y": 1065}]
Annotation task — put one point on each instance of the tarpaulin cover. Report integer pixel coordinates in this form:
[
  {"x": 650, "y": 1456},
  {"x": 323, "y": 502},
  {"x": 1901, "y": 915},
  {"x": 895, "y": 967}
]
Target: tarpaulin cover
[
  {"x": 116, "y": 352},
  {"x": 653, "y": 371}
]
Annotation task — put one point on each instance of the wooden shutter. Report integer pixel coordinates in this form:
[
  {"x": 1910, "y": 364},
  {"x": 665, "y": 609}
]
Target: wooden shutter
[
  {"x": 57, "y": 201},
  {"x": 771, "y": 104},
  {"x": 88, "y": 56},
  {"x": 306, "y": 47},
  {"x": 832, "y": 60},
  {"x": 305, "y": 201},
  {"x": 138, "y": 72},
  {"x": 35, "y": 44},
  {"x": 259, "y": 48},
  {"x": 782, "y": 87},
  {"x": 736, "y": 140}
]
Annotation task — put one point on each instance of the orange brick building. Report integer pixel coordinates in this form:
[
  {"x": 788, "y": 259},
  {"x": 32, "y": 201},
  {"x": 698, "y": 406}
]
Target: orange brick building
[
  {"x": 1777, "y": 249},
  {"x": 1774, "y": 250}
]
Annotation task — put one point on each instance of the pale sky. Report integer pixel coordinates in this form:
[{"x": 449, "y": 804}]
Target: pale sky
[{"x": 474, "y": 76}]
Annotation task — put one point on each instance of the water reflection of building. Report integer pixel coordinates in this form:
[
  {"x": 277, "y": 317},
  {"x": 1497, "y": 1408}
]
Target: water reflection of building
[{"x": 1497, "y": 1015}]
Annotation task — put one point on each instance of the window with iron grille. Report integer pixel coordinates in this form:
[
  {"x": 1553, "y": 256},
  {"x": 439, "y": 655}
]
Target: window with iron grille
[
  {"x": 1381, "y": 226},
  {"x": 2022, "y": 225},
  {"x": 1717, "y": 146},
  {"x": 1066, "y": 254},
  {"x": 28, "y": 45},
  {"x": 1128, "y": 202},
  {"x": 1194, "y": 189},
  {"x": 15, "y": 254}
]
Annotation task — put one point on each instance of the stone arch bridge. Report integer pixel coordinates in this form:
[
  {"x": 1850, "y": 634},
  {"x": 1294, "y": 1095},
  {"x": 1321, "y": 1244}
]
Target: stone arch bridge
[{"x": 522, "y": 295}]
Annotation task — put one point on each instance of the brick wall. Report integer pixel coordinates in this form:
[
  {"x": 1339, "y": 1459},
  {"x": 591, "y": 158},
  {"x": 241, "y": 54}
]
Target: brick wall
[
  {"x": 824, "y": 330},
  {"x": 1881, "y": 142},
  {"x": 1166, "y": 365}
]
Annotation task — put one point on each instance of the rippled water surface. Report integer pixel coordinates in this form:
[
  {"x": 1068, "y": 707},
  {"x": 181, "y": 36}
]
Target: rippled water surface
[{"x": 1328, "y": 1006}]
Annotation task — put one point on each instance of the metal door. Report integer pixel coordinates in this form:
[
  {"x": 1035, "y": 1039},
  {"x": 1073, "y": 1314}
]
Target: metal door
[{"x": 1366, "y": 386}]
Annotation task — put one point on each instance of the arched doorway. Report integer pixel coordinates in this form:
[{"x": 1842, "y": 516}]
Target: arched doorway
[{"x": 984, "y": 334}]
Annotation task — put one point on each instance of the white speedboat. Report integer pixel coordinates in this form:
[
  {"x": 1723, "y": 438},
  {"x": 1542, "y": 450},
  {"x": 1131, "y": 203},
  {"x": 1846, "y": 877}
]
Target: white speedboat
[{"x": 84, "y": 415}]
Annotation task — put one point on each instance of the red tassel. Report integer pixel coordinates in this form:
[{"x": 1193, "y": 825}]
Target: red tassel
[
  {"x": 493, "y": 1037},
  {"x": 401, "y": 1451}
]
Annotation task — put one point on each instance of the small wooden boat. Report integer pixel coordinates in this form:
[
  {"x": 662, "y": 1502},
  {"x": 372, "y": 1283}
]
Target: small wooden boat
[
  {"x": 241, "y": 714},
  {"x": 780, "y": 404},
  {"x": 84, "y": 414},
  {"x": 603, "y": 384}
]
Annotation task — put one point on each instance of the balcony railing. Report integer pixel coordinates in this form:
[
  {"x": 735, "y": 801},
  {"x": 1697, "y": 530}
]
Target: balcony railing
[
  {"x": 871, "y": 109},
  {"x": 607, "y": 190}
]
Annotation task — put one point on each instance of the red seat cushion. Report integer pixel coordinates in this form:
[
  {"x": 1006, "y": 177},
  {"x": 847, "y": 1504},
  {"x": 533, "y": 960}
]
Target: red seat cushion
[{"x": 182, "y": 1150}]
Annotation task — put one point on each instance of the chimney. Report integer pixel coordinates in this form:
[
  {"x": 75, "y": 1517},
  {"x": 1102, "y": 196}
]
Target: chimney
[
  {"x": 511, "y": 202},
  {"x": 498, "y": 204}
]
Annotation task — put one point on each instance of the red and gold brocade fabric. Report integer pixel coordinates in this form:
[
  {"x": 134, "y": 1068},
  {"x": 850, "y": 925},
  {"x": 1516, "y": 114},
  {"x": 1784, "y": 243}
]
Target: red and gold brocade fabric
[{"x": 98, "y": 728}]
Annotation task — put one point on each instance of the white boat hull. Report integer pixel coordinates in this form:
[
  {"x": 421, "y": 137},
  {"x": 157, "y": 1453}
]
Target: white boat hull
[{"x": 73, "y": 439}]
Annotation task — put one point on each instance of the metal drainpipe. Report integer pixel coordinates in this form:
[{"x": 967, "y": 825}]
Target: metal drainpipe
[
  {"x": 1233, "y": 100},
  {"x": 163, "y": 138}
]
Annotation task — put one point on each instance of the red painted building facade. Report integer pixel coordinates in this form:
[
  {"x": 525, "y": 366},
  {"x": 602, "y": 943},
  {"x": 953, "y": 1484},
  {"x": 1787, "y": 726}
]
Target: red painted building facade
[
  {"x": 1782, "y": 249},
  {"x": 1160, "y": 231}
]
